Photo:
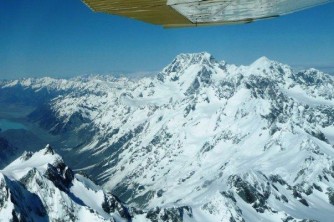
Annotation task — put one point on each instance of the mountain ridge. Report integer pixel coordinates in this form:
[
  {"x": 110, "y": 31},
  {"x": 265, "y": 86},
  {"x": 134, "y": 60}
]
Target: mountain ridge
[
  {"x": 39, "y": 186},
  {"x": 240, "y": 143}
]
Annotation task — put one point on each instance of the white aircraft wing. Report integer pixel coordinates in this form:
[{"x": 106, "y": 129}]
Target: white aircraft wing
[{"x": 183, "y": 13}]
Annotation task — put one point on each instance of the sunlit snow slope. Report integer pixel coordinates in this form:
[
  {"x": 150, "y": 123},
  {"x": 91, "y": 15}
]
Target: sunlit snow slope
[
  {"x": 232, "y": 143},
  {"x": 40, "y": 187}
]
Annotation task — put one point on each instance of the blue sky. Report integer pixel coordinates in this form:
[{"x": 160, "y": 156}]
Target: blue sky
[{"x": 63, "y": 38}]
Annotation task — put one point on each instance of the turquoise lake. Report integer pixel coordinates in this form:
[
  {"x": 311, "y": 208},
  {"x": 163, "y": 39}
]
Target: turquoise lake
[{"x": 7, "y": 124}]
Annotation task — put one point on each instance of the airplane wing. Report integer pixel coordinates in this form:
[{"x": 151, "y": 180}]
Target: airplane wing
[{"x": 185, "y": 13}]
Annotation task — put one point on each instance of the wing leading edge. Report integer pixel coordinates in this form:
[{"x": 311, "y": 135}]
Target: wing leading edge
[{"x": 187, "y": 13}]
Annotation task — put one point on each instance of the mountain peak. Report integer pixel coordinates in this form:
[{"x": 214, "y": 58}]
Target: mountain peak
[
  {"x": 54, "y": 193},
  {"x": 262, "y": 62},
  {"x": 184, "y": 60},
  {"x": 152, "y": 141},
  {"x": 48, "y": 150},
  {"x": 272, "y": 69},
  {"x": 39, "y": 160},
  {"x": 198, "y": 57}
]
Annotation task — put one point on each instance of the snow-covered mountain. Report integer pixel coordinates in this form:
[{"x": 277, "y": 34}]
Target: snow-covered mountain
[
  {"x": 217, "y": 142},
  {"x": 40, "y": 187}
]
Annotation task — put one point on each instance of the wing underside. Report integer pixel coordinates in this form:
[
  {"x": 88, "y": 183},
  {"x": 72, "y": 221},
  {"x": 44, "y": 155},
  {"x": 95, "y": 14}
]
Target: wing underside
[{"x": 183, "y": 13}]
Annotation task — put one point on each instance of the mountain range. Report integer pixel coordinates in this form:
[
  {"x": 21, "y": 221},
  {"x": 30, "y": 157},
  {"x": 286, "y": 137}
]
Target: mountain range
[{"x": 202, "y": 140}]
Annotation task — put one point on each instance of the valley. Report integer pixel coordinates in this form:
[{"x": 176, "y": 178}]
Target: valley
[{"x": 213, "y": 141}]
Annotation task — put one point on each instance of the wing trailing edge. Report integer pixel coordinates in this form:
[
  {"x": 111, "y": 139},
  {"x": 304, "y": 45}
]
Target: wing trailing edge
[{"x": 192, "y": 13}]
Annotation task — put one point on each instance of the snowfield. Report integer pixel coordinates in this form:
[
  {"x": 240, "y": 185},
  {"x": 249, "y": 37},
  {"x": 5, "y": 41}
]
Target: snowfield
[{"x": 201, "y": 141}]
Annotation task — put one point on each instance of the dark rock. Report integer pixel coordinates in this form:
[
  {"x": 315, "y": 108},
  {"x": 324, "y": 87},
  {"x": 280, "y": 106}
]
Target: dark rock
[
  {"x": 60, "y": 175},
  {"x": 303, "y": 201},
  {"x": 169, "y": 214},
  {"x": 111, "y": 205}
]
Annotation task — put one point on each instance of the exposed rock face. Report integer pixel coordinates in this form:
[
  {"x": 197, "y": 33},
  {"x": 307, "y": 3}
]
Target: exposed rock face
[
  {"x": 40, "y": 187},
  {"x": 203, "y": 140}
]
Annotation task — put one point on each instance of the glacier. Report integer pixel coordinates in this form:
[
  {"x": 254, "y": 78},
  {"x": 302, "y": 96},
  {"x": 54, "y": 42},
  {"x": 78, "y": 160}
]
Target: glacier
[{"x": 203, "y": 139}]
